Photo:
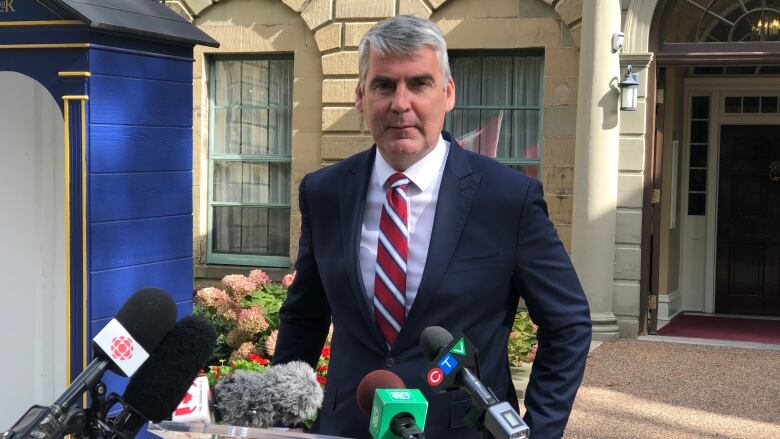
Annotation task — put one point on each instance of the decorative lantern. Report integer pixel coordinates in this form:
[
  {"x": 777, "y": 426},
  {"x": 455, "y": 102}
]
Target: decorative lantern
[{"x": 629, "y": 89}]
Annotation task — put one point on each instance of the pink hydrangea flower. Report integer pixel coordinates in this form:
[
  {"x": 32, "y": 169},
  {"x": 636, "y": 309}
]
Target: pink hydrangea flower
[
  {"x": 259, "y": 277},
  {"x": 252, "y": 320},
  {"x": 288, "y": 279},
  {"x": 236, "y": 337},
  {"x": 243, "y": 286},
  {"x": 210, "y": 296},
  {"x": 270, "y": 343},
  {"x": 230, "y": 280},
  {"x": 227, "y": 311},
  {"x": 246, "y": 349}
]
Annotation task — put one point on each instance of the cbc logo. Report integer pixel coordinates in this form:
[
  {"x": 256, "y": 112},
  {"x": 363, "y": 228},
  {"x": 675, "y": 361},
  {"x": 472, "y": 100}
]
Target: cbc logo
[{"x": 121, "y": 348}]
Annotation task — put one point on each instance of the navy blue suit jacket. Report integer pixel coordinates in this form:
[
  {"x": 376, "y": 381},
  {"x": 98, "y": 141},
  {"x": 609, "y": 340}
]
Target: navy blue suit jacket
[{"x": 491, "y": 243}]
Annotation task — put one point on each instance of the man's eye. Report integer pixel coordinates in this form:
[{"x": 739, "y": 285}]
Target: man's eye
[
  {"x": 382, "y": 86},
  {"x": 421, "y": 84}
]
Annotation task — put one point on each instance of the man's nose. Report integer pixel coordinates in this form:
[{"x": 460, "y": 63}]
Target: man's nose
[{"x": 401, "y": 100}]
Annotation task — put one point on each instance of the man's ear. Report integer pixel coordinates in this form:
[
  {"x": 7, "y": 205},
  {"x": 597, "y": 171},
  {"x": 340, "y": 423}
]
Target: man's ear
[
  {"x": 449, "y": 93},
  {"x": 359, "y": 98}
]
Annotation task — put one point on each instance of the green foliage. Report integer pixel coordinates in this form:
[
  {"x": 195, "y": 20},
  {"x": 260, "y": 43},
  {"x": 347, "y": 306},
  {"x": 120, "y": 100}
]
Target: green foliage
[
  {"x": 522, "y": 340},
  {"x": 222, "y": 326},
  {"x": 253, "y": 364},
  {"x": 270, "y": 298}
]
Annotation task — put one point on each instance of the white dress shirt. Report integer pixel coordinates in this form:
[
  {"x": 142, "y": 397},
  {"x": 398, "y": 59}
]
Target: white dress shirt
[{"x": 423, "y": 193}]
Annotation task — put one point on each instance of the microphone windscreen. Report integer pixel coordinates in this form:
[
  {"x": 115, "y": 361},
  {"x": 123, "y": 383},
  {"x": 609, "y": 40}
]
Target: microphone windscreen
[
  {"x": 378, "y": 379},
  {"x": 159, "y": 385},
  {"x": 284, "y": 394},
  {"x": 434, "y": 338},
  {"x": 237, "y": 400},
  {"x": 295, "y": 392},
  {"x": 148, "y": 315}
]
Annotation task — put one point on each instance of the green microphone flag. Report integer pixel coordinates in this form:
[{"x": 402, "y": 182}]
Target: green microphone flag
[{"x": 390, "y": 402}]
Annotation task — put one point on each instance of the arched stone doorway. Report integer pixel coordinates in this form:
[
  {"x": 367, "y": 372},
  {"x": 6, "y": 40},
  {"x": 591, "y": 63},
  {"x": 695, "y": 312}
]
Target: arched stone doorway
[{"x": 32, "y": 232}]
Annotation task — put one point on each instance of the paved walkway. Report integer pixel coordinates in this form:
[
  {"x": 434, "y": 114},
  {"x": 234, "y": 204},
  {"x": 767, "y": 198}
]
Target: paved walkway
[{"x": 652, "y": 389}]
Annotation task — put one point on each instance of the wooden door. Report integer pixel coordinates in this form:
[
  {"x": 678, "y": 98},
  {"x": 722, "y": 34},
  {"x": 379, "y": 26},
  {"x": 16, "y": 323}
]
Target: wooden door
[{"x": 748, "y": 241}]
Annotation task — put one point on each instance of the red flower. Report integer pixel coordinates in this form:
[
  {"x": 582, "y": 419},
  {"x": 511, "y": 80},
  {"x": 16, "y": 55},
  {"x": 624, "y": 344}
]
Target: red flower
[
  {"x": 326, "y": 351},
  {"x": 254, "y": 357},
  {"x": 320, "y": 380},
  {"x": 322, "y": 367},
  {"x": 263, "y": 361}
]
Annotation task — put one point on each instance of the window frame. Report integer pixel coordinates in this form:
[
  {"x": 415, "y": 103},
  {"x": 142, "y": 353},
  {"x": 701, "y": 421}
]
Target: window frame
[
  {"x": 218, "y": 258},
  {"x": 523, "y": 53}
]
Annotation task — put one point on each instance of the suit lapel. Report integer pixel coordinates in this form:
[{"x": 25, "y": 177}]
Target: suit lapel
[
  {"x": 458, "y": 186},
  {"x": 352, "y": 203}
]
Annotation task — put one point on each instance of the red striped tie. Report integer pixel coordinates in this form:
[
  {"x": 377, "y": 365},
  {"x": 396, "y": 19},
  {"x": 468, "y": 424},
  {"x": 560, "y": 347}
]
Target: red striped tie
[{"x": 391, "y": 255}]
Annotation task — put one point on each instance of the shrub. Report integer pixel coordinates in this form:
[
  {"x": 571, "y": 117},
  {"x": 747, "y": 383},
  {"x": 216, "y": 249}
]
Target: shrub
[{"x": 522, "y": 340}]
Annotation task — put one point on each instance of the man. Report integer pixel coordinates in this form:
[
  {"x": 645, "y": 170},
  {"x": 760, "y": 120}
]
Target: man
[{"x": 417, "y": 232}]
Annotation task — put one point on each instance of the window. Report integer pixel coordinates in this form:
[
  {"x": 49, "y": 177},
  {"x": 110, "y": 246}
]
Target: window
[
  {"x": 697, "y": 159},
  {"x": 498, "y": 106},
  {"x": 250, "y": 118}
]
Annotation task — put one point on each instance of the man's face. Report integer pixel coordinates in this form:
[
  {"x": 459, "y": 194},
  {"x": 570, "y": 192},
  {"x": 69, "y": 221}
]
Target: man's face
[{"x": 404, "y": 100}]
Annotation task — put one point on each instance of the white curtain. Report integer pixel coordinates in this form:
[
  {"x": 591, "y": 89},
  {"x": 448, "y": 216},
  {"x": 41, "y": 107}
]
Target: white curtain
[{"x": 490, "y": 88}]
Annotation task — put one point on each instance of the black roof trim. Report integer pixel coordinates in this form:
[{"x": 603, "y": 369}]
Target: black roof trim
[{"x": 146, "y": 18}]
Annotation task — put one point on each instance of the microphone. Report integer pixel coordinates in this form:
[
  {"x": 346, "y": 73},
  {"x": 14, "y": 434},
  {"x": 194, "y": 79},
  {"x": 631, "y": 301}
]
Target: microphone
[
  {"x": 155, "y": 391},
  {"x": 284, "y": 394},
  {"x": 451, "y": 363},
  {"x": 396, "y": 412},
  {"x": 122, "y": 346}
]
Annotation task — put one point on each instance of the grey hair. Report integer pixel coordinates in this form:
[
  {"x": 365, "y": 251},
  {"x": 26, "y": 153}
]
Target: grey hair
[{"x": 403, "y": 35}]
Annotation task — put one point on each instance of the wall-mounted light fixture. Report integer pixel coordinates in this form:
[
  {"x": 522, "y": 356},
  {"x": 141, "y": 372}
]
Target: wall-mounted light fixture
[
  {"x": 629, "y": 89},
  {"x": 617, "y": 41}
]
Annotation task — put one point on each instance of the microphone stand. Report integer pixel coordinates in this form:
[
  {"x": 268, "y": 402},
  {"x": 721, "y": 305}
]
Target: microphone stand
[{"x": 64, "y": 417}]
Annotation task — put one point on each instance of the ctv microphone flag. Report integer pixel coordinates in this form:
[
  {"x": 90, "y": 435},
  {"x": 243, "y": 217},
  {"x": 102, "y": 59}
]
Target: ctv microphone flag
[{"x": 442, "y": 372}]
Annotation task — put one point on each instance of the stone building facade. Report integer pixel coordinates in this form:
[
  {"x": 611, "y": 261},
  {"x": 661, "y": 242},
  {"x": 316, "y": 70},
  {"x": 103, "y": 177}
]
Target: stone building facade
[{"x": 620, "y": 192}]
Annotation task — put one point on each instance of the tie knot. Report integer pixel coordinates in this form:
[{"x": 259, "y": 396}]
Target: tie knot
[{"x": 398, "y": 180}]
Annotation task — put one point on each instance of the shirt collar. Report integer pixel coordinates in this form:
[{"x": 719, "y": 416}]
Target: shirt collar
[{"x": 422, "y": 174}]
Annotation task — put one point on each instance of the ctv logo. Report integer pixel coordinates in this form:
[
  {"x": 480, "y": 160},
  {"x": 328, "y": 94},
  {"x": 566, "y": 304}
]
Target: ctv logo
[
  {"x": 447, "y": 364},
  {"x": 400, "y": 395},
  {"x": 121, "y": 348}
]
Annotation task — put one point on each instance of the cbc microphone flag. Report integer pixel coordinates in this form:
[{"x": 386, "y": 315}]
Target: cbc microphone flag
[
  {"x": 121, "y": 347},
  {"x": 194, "y": 407}
]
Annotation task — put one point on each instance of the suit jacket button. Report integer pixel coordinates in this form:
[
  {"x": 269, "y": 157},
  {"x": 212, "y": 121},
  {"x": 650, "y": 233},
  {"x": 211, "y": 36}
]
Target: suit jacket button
[{"x": 389, "y": 362}]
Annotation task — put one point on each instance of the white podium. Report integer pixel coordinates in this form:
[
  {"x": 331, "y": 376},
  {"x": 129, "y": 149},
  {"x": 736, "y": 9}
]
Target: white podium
[{"x": 181, "y": 430}]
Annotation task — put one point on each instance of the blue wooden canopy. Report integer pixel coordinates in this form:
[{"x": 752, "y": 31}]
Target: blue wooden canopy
[{"x": 121, "y": 72}]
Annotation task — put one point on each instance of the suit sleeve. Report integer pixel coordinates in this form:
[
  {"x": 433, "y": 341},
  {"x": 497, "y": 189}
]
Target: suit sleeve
[
  {"x": 305, "y": 316},
  {"x": 556, "y": 302}
]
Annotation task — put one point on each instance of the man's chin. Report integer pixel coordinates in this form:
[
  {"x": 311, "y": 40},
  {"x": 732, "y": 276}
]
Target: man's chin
[{"x": 403, "y": 147}]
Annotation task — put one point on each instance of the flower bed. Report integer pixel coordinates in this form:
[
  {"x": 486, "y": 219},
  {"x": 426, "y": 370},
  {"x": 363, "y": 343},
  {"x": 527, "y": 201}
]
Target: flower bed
[{"x": 245, "y": 313}]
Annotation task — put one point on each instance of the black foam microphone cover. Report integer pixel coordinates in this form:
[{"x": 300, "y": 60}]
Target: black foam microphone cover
[
  {"x": 158, "y": 387},
  {"x": 148, "y": 315},
  {"x": 432, "y": 339}
]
